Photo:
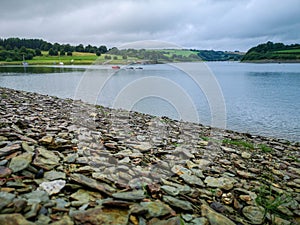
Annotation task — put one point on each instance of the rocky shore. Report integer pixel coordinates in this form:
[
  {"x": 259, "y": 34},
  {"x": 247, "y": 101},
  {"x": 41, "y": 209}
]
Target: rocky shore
[{"x": 68, "y": 162}]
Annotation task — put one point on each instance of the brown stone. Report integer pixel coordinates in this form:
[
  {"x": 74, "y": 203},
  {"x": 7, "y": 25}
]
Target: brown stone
[
  {"x": 7, "y": 150},
  {"x": 4, "y": 171},
  {"x": 102, "y": 216},
  {"x": 13, "y": 219}
]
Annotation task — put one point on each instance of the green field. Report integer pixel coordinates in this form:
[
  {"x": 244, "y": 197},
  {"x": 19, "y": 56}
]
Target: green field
[
  {"x": 290, "y": 51},
  {"x": 273, "y": 52},
  {"x": 182, "y": 52},
  {"x": 78, "y": 58},
  {"x": 82, "y": 58}
]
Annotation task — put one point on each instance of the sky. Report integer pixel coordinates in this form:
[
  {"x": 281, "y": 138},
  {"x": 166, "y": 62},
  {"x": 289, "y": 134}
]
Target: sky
[{"x": 198, "y": 24}]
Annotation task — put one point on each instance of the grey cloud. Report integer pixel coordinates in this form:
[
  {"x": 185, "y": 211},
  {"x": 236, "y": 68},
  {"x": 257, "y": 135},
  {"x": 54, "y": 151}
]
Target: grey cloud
[{"x": 217, "y": 24}]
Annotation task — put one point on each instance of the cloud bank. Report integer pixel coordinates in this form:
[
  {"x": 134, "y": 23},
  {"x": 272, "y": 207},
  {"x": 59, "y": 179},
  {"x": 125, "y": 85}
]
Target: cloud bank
[{"x": 201, "y": 24}]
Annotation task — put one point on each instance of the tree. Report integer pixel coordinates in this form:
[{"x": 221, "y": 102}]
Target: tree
[
  {"x": 79, "y": 48},
  {"x": 102, "y": 49},
  {"x": 114, "y": 51},
  {"x": 38, "y": 52},
  {"x": 53, "y": 52},
  {"x": 8, "y": 47},
  {"x": 69, "y": 53}
]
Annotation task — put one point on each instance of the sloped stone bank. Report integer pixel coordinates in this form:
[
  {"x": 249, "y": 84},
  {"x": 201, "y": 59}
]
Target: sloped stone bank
[{"x": 67, "y": 162}]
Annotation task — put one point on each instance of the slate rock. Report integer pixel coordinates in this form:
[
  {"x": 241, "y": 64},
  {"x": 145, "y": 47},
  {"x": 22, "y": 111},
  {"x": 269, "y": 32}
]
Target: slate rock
[
  {"x": 7, "y": 150},
  {"x": 54, "y": 175},
  {"x": 36, "y": 197},
  {"x": 14, "y": 219},
  {"x": 46, "y": 159},
  {"x": 20, "y": 162},
  {"x": 156, "y": 209},
  {"x": 254, "y": 214},
  {"x": 5, "y": 199},
  {"x": 84, "y": 180},
  {"x": 225, "y": 183},
  {"x": 213, "y": 217},
  {"x": 46, "y": 140},
  {"x": 181, "y": 204},
  {"x": 53, "y": 187},
  {"x": 5, "y": 172},
  {"x": 102, "y": 216},
  {"x": 130, "y": 195}
]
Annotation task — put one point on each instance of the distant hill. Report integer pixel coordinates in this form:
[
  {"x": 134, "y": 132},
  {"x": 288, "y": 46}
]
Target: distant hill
[
  {"x": 37, "y": 51},
  {"x": 273, "y": 52},
  {"x": 211, "y": 55}
]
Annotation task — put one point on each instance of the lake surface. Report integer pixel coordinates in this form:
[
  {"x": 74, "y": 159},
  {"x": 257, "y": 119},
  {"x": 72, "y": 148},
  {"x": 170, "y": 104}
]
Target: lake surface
[{"x": 256, "y": 98}]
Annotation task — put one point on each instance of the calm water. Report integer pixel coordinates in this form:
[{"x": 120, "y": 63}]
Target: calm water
[{"x": 259, "y": 98}]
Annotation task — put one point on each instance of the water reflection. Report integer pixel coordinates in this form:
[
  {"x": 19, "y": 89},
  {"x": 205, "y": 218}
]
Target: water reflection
[{"x": 38, "y": 69}]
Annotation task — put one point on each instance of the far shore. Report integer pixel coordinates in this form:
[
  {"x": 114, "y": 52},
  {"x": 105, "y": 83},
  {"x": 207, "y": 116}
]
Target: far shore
[{"x": 271, "y": 61}]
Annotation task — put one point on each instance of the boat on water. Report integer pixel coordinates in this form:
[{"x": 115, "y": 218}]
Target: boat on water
[
  {"x": 134, "y": 68},
  {"x": 116, "y": 67}
]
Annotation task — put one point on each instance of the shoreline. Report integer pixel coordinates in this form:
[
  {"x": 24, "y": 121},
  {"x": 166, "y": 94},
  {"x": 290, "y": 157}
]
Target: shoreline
[
  {"x": 75, "y": 163},
  {"x": 270, "y": 61}
]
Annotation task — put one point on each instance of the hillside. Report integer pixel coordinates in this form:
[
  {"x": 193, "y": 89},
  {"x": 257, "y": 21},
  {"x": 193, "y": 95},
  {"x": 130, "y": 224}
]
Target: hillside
[
  {"x": 273, "y": 52},
  {"x": 211, "y": 55},
  {"x": 14, "y": 51}
]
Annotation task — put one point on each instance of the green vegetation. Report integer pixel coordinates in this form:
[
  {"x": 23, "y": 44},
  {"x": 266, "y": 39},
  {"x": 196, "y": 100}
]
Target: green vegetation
[
  {"x": 3, "y": 95},
  {"x": 204, "y": 138},
  {"x": 294, "y": 158},
  {"x": 156, "y": 56},
  {"x": 265, "y": 148},
  {"x": 247, "y": 145},
  {"x": 37, "y": 51},
  {"x": 239, "y": 143},
  {"x": 273, "y": 52},
  {"x": 211, "y": 55},
  {"x": 271, "y": 201}
]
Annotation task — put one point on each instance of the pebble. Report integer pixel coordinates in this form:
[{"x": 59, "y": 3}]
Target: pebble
[
  {"x": 68, "y": 162},
  {"x": 254, "y": 214},
  {"x": 213, "y": 217},
  {"x": 225, "y": 183},
  {"x": 53, "y": 187}
]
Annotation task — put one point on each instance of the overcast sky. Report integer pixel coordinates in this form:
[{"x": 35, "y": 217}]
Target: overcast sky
[{"x": 200, "y": 24}]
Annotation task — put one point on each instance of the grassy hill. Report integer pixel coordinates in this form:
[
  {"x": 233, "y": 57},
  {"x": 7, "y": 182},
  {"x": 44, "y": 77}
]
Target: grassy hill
[
  {"x": 111, "y": 57},
  {"x": 211, "y": 55},
  {"x": 273, "y": 52}
]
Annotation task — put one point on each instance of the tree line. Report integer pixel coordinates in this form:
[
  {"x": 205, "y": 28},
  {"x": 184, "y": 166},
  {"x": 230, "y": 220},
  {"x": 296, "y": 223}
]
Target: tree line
[
  {"x": 272, "y": 51},
  {"x": 211, "y": 55},
  {"x": 16, "y": 49},
  {"x": 154, "y": 56}
]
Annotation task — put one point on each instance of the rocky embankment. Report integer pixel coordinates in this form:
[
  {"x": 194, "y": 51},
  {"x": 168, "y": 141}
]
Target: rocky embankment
[{"x": 67, "y": 162}]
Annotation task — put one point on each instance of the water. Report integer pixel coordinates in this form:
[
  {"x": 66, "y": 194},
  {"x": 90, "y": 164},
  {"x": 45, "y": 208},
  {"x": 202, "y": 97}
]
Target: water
[{"x": 259, "y": 98}]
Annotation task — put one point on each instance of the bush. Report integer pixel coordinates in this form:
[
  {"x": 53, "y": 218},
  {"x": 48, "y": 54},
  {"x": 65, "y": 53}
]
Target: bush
[{"x": 38, "y": 52}]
